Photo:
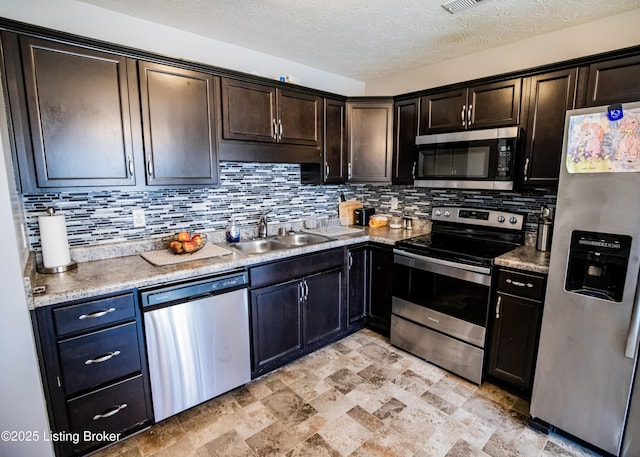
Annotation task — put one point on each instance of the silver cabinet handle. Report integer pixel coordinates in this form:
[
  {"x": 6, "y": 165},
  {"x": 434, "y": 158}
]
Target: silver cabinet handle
[
  {"x": 350, "y": 263},
  {"x": 526, "y": 168},
  {"x": 274, "y": 133},
  {"x": 464, "y": 108},
  {"x": 326, "y": 169},
  {"x": 301, "y": 291},
  {"x": 96, "y": 314},
  {"x": 413, "y": 171},
  {"x": 280, "y": 129},
  {"x": 150, "y": 167},
  {"x": 306, "y": 290},
  {"x": 469, "y": 118},
  {"x": 109, "y": 413},
  {"x": 519, "y": 284},
  {"x": 130, "y": 162},
  {"x": 498, "y": 307},
  {"x": 634, "y": 329},
  {"x": 102, "y": 358},
  {"x": 349, "y": 171}
]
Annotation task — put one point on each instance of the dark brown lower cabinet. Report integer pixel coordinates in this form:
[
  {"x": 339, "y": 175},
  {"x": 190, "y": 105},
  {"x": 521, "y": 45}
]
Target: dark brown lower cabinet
[
  {"x": 357, "y": 286},
  {"x": 516, "y": 317},
  {"x": 94, "y": 371},
  {"x": 379, "y": 303},
  {"x": 299, "y": 309}
]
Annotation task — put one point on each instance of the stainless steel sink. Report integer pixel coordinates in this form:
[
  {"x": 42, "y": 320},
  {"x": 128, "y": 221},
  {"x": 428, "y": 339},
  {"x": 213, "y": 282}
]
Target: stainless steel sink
[
  {"x": 259, "y": 246},
  {"x": 302, "y": 239},
  {"x": 293, "y": 240}
]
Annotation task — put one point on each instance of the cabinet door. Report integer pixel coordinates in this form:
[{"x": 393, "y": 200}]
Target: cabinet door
[
  {"x": 335, "y": 154},
  {"x": 405, "y": 152},
  {"x": 370, "y": 129},
  {"x": 178, "y": 116},
  {"x": 514, "y": 338},
  {"x": 551, "y": 95},
  {"x": 357, "y": 286},
  {"x": 276, "y": 326},
  {"x": 614, "y": 81},
  {"x": 248, "y": 111},
  {"x": 323, "y": 307},
  {"x": 299, "y": 118},
  {"x": 443, "y": 112},
  {"x": 78, "y": 105},
  {"x": 494, "y": 105},
  {"x": 380, "y": 271}
]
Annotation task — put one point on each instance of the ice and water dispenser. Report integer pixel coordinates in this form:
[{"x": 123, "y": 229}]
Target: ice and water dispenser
[{"x": 597, "y": 264}]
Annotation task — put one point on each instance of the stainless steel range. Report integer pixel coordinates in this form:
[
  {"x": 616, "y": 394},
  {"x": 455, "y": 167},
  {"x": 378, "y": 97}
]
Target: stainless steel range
[{"x": 442, "y": 286}]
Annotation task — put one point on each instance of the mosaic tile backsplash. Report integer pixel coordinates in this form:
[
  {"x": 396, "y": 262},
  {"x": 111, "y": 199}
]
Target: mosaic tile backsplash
[{"x": 246, "y": 191}]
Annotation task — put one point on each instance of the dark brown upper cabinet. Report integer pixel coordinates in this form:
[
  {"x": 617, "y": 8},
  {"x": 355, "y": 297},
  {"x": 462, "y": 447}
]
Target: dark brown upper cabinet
[
  {"x": 333, "y": 168},
  {"x": 614, "y": 81},
  {"x": 179, "y": 121},
  {"x": 405, "y": 152},
  {"x": 550, "y": 96},
  {"x": 488, "y": 105},
  {"x": 259, "y": 113},
  {"x": 370, "y": 140},
  {"x": 335, "y": 136},
  {"x": 78, "y": 110}
]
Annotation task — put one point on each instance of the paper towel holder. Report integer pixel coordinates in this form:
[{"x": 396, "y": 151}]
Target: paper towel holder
[{"x": 58, "y": 269}]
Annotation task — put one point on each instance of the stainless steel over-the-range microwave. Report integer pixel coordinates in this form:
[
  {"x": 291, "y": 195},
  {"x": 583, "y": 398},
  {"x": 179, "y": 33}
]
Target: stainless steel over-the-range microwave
[{"x": 472, "y": 159}]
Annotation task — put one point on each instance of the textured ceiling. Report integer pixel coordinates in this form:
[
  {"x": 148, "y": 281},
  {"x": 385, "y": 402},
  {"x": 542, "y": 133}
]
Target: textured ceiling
[{"x": 367, "y": 39}]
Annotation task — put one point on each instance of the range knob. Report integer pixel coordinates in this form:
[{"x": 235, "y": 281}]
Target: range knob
[
  {"x": 513, "y": 220},
  {"x": 447, "y": 214},
  {"x": 438, "y": 212},
  {"x": 501, "y": 219}
]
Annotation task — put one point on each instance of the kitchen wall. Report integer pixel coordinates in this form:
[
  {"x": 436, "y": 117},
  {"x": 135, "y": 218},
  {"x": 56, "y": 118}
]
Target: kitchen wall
[
  {"x": 246, "y": 190},
  {"x": 570, "y": 43},
  {"x": 91, "y": 21}
]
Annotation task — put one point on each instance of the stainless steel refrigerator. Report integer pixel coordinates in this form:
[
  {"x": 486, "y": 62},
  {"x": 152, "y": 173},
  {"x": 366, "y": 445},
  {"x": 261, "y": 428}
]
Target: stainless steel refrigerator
[{"x": 584, "y": 378}]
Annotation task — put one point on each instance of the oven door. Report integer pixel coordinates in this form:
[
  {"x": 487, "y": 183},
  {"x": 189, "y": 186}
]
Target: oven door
[{"x": 449, "y": 297}]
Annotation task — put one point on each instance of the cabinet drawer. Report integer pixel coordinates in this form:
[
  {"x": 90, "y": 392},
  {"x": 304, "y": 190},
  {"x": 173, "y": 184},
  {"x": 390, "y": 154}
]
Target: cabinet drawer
[
  {"x": 99, "y": 357},
  {"x": 521, "y": 284},
  {"x": 96, "y": 313},
  {"x": 287, "y": 270},
  {"x": 113, "y": 409}
]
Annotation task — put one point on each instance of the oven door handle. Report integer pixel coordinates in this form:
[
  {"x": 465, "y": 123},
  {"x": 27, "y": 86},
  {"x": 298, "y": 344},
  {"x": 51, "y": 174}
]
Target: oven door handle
[{"x": 466, "y": 272}]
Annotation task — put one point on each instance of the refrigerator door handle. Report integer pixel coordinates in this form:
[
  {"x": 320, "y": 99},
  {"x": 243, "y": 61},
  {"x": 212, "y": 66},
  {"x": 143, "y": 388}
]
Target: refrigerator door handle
[{"x": 634, "y": 328}]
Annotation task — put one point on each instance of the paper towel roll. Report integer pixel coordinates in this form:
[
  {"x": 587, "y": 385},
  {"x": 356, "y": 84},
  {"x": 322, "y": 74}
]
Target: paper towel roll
[{"x": 53, "y": 238}]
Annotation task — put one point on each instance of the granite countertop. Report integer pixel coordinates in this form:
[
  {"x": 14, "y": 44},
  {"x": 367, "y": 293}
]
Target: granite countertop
[
  {"x": 525, "y": 258},
  {"x": 114, "y": 274}
]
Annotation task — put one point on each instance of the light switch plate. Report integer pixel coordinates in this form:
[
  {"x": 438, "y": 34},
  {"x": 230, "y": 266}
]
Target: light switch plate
[{"x": 139, "y": 219}]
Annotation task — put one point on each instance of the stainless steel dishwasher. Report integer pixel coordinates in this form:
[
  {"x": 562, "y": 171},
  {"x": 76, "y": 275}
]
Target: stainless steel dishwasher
[{"x": 197, "y": 336}]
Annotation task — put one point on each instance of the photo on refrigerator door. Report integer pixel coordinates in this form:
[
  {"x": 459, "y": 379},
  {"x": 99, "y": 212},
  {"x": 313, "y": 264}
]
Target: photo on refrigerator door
[{"x": 598, "y": 145}]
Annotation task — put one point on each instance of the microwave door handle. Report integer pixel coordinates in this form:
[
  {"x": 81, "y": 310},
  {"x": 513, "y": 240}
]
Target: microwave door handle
[{"x": 634, "y": 326}]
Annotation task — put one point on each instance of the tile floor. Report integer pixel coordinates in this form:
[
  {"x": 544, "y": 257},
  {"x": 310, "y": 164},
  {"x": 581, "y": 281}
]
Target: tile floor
[{"x": 357, "y": 397}]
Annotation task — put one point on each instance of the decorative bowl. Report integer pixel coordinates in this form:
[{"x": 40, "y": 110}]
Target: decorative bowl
[{"x": 178, "y": 244}]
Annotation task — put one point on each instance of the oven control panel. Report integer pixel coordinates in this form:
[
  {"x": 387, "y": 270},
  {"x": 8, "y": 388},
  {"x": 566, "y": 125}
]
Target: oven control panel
[{"x": 478, "y": 216}]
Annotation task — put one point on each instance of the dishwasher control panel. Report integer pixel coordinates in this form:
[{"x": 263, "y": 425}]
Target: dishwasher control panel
[{"x": 194, "y": 288}]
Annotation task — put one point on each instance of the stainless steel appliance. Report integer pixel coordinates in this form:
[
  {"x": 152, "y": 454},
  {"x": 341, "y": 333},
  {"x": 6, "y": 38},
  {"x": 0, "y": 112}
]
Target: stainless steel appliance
[
  {"x": 472, "y": 159},
  {"x": 442, "y": 286},
  {"x": 588, "y": 349},
  {"x": 197, "y": 336}
]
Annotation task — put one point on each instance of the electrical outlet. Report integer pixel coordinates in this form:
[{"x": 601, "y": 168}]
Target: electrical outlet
[
  {"x": 394, "y": 202},
  {"x": 139, "y": 219}
]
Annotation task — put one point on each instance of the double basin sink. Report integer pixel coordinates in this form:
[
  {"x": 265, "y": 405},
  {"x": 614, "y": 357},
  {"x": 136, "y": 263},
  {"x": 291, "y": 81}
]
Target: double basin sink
[{"x": 292, "y": 240}]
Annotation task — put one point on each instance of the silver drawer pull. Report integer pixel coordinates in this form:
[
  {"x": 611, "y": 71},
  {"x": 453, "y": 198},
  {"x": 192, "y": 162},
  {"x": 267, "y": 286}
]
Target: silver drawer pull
[
  {"x": 519, "y": 284},
  {"x": 102, "y": 358},
  {"x": 498, "y": 307},
  {"x": 109, "y": 413},
  {"x": 104, "y": 312}
]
